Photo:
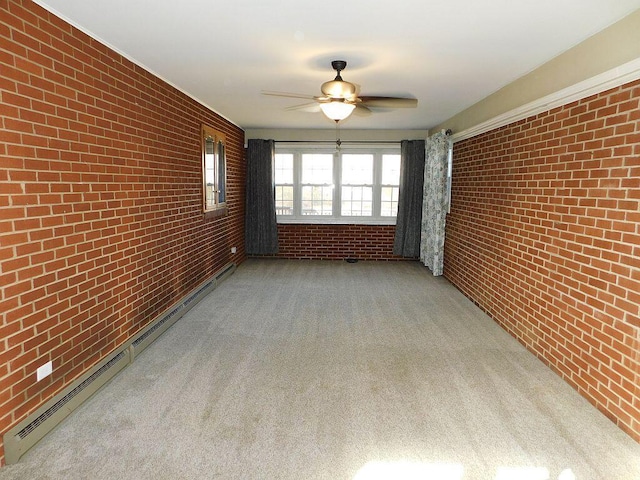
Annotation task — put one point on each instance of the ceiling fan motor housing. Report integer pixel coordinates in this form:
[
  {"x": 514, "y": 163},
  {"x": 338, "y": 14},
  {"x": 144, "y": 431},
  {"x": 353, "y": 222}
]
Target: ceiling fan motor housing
[{"x": 338, "y": 88}]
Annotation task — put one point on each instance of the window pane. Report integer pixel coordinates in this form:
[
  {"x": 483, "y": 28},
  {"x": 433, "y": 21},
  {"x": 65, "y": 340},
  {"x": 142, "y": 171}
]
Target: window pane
[
  {"x": 317, "y": 200},
  {"x": 391, "y": 169},
  {"x": 317, "y": 179},
  {"x": 357, "y": 169},
  {"x": 389, "y": 201},
  {"x": 283, "y": 168},
  {"x": 357, "y": 201},
  {"x": 209, "y": 173},
  {"x": 221, "y": 171},
  {"x": 284, "y": 200},
  {"x": 214, "y": 169},
  {"x": 317, "y": 168}
]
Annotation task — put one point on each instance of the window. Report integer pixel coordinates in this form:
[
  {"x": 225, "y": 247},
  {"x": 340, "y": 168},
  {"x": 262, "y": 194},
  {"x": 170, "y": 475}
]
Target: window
[
  {"x": 390, "y": 185},
  {"x": 317, "y": 184},
  {"x": 356, "y": 185},
  {"x": 283, "y": 179},
  {"x": 214, "y": 170}
]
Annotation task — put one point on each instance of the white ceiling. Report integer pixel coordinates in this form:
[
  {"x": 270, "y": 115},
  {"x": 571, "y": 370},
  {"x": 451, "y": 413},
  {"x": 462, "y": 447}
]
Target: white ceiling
[{"x": 447, "y": 54}]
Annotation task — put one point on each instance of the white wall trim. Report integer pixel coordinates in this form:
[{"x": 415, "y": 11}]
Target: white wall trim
[{"x": 615, "y": 77}]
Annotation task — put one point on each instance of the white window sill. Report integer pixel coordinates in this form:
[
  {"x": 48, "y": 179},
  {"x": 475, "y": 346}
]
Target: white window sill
[{"x": 327, "y": 220}]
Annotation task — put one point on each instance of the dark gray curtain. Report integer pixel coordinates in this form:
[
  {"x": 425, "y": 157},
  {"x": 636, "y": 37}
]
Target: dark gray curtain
[
  {"x": 408, "y": 223},
  {"x": 261, "y": 229}
]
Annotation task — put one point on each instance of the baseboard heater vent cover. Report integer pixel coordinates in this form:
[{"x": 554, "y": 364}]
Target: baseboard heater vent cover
[
  {"x": 28, "y": 432},
  {"x": 152, "y": 331}
]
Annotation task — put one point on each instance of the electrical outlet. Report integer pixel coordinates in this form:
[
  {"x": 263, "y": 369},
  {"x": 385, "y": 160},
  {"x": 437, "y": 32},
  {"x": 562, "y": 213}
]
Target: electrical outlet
[
  {"x": 45, "y": 370},
  {"x": 234, "y": 249}
]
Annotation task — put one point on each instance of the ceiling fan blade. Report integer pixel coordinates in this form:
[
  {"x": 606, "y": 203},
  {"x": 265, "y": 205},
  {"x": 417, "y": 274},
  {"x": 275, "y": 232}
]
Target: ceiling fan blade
[
  {"x": 389, "y": 102},
  {"x": 306, "y": 107},
  {"x": 361, "y": 110},
  {"x": 287, "y": 94}
]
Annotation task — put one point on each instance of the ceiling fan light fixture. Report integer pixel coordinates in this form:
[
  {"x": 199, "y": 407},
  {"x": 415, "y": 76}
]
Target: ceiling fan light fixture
[{"x": 337, "y": 110}]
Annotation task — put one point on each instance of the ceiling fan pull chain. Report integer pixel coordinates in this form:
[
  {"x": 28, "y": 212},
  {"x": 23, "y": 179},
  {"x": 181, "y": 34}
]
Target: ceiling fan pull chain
[{"x": 338, "y": 141}]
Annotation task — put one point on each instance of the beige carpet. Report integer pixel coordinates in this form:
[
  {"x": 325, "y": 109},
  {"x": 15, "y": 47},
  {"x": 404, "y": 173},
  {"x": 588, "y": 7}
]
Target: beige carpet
[{"x": 329, "y": 370}]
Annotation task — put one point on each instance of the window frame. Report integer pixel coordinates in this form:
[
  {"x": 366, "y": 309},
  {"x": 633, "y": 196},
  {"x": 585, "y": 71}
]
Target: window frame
[
  {"x": 376, "y": 150},
  {"x": 218, "y": 205}
]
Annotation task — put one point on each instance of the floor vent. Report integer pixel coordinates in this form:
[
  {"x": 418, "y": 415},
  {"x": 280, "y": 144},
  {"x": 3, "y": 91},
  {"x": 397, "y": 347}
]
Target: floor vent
[{"x": 28, "y": 432}]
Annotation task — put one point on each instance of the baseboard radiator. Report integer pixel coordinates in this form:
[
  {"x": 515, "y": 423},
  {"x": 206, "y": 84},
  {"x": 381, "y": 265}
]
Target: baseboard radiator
[{"x": 27, "y": 433}]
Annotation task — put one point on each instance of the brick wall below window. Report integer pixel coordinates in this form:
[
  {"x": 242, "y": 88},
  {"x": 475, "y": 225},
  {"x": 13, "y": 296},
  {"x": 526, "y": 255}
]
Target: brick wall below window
[{"x": 336, "y": 242}]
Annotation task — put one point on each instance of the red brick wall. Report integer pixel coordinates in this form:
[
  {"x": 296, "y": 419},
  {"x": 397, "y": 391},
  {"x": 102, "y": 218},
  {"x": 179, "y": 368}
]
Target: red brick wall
[
  {"x": 336, "y": 242},
  {"x": 544, "y": 235},
  {"x": 100, "y": 203}
]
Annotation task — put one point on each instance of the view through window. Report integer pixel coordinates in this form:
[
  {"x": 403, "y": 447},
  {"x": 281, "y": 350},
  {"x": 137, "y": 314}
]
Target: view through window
[{"x": 351, "y": 186}]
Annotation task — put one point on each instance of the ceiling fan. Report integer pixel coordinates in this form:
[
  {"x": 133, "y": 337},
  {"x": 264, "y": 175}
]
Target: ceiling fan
[{"x": 340, "y": 98}]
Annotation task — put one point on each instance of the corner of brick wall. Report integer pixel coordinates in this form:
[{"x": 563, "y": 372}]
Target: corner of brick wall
[
  {"x": 544, "y": 235},
  {"x": 101, "y": 226}
]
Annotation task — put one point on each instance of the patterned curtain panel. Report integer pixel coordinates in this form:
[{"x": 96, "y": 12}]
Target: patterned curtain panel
[
  {"x": 407, "y": 236},
  {"x": 261, "y": 228},
  {"x": 435, "y": 203}
]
